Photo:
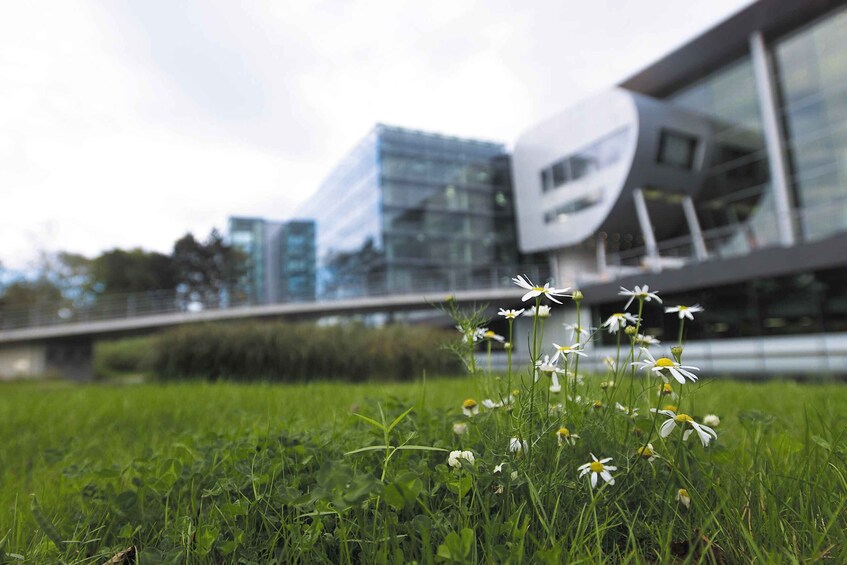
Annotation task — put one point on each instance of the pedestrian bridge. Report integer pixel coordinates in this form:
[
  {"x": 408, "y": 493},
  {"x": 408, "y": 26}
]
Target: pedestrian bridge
[{"x": 60, "y": 340}]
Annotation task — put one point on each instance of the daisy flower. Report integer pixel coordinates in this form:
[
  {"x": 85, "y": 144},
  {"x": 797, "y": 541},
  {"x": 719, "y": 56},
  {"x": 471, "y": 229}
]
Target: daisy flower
[
  {"x": 683, "y": 497},
  {"x": 711, "y": 420},
  {"x": 517, "y": 446},
  {"x": 470, "y": 407},
  {"x": 566, "y": 351},
  {"x": 618, "y": 320},
  {"x": 631, "y": 412},
  {"x": 577, "y": 330},
  {"x": 549, "y": 366},
  {"x": 647, "y": 452},
  {"x": 641, "y": 293},
  {"x": 665, "y": 389},
  {"x": 565, "y": 437},
  {"x": 705, "y": 433},
  {"x": 535, "y": 290},
  {"x": 646, "y": 340},
  {"x": 455, "y": 458},
  {"x": 510, "y": 314},
  {"x": 684, "y": 311},
  {"x": 489, "y": 334},
  {"x": 664, "y": 366},
  {"x": 598, "y": 467},
  {"x": 542, "y": 311}
]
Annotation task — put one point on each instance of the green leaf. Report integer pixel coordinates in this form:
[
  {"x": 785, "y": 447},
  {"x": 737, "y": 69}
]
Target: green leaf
[
  {"x": 369, "y": 448},
  {"x": 420, "y": 448},
  {"x": 399, "y": 419},
  {"x": 822, "y": 442},
  {"x": 371, "y": 421},
  {"x": 404, "y": 490}
]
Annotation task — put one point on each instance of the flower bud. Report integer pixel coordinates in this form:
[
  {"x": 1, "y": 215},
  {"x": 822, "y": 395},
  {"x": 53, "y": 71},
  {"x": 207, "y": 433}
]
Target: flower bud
[{"x": 577, "y": 295}]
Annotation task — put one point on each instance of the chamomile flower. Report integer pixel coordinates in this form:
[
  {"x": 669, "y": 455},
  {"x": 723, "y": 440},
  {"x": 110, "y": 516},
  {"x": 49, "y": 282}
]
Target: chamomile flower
[
  {"x": 630, "y": 412},
  {"x": 510, "y": 314},
  {"x": 641, "y": 293},
  {"x": 647, "y": 452},
  {"x": 577, "y": 330},
  {"x": 605, "y": 385},
  {"x": 684, "y": 311},
  {"x": 711, "y": 420},
  {"x": 618, "y": 320},
  {"x": 549, "y": 367},
  {"x": 664, "y": 366},
  {"x": 598, "y": 467},
  {"x": 470, "y": 407},
  {"x": 683, "y": 497},
  {"x": 458, "y": 458},
  {"x": 535, "y": 290},
  {"x": 567, "y": 351},
  {"x": 705, "y": 433},
  {"x": 565, "y": 437},
  {"x": 665, "y": 389},
  {"x": 542, "y": 311},
  {"x": 646, "y": 340},
  {"x": 491, "y": 335},
  {"x": 517, "y": 445},
  {"x": 460, "y": 428}
]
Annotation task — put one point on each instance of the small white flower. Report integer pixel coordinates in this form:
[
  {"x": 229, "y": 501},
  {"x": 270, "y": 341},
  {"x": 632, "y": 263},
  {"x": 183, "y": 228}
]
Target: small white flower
[
  {"x": 535, "y": 290},
  {"x": 631, "y": 412},
  {"x": 547, "y": 366},
  {"x": 664, "y": 366},
  {"x": 640, "y": 292},
  {"x": 510, "y": 314},
  {"x": 565, "y": 437},
  {"x": 711, "y": 420},
  {"x": 470, "y": 407},
  {"x": 460, "y": 428},
  {"x": 705, "y": 433},
  {"x": 619, "y": 320},
  {"x": 542, "y": 311},
  {"x": 489, "y": 335},
  {"x": 683, "y": 497},
  {"x": 517, "y": 445},
  {"x": 499, "y": 468},
  {"x": 474, "y": 334},
  {"x": 577, "y": 330},
  {"x": 646, "y": 340},
  {"x": 684, "y": 311},
  {"x": 555, "y": 386},
  {"x": 566, "y": 351},
  {"x": 647, "y": 452},
  {"x": 455, "y": 458},
  {"x": 598, "y": 467}
]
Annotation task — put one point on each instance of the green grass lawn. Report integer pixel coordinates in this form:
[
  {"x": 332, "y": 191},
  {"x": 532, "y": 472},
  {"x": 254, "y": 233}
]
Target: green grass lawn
[{"x": 202, "y": 472}]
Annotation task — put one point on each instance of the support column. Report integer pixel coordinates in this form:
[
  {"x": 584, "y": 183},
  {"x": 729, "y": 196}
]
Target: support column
[
  {"x": 602, "y": 263},
  {"x": 694, "y": 229},
  {"x": 774, "y": 137},
  {"x": 646, "y": 228}
]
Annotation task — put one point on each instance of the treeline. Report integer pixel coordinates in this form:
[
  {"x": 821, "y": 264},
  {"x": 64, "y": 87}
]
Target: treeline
[
  {"x": 64, "y": 282},
  {"x": 283, "y": 352}
]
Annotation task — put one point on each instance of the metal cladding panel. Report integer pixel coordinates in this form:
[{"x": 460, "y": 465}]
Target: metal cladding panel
[{"x": 552, "y": 140}]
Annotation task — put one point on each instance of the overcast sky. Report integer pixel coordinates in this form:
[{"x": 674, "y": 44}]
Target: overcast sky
[{"x": 128, "y": 123}]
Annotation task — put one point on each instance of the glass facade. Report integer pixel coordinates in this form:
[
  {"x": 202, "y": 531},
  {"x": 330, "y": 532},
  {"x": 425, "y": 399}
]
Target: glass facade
[
  {"x": 248, "y": 234},
  {"x": 812, "y": 79},
  {"x": 410, "y": 210},
  {"x": 736, "y": 205},
  {"x": 603, "y": 153},
  {"x": 297, "y": 261},
  {"x": 812, "y": 302}
]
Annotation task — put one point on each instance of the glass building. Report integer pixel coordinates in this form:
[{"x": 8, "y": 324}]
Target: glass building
[
  {"x": 407, "y": 210},
  {"x": 725, "y": 184},
  {"x": 280, "y": 260}
]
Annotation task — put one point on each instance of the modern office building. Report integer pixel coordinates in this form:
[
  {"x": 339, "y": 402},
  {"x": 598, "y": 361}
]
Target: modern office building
[
  {"x": 717, "y": 175},
  {"x": 411, "y": 211},
  {"x": 280, "y": 259}
]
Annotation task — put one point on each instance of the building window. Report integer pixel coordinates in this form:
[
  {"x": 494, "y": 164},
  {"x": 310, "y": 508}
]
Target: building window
[
  {"x": 603, "y": 153},
  {"x": 563, "y": 213},
  {"x": 676, "y": 149}
]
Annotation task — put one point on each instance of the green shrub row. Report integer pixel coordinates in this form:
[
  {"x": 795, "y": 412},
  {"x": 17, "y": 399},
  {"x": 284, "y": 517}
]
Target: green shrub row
[
  {"x": 293, "y": 352},
  {"x": 123, "y": 357}
]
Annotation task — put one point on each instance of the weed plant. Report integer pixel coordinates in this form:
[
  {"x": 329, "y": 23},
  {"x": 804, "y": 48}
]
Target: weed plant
[{"x": 540, "y": 464}]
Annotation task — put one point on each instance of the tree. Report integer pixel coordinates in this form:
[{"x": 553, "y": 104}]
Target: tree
[
  {"x": 207, "y": 271},
  {"x": 120, "y": 271}
]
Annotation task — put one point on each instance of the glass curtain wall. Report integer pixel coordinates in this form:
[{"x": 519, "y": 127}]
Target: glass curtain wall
[
  {"x": 297, "y": 261},
  {"x": 812, "y": 78},
  {"x": 736, "y": 206},
  {"x": 248, "y": 234},
  {"x": 447, "y": 210}
]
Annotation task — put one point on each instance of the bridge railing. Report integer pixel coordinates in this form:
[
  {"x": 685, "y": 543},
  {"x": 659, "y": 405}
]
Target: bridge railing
[{"x": 132, "y": 305}]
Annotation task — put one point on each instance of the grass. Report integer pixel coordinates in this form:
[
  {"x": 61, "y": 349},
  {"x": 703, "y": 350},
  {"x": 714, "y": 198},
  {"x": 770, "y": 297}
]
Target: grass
[{"x": 204, "y": 472}]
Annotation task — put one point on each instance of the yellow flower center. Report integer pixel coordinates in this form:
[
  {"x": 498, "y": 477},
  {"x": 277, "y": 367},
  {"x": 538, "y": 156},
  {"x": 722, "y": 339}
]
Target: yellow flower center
[
  {"x": 598, "y": 404},
  {"x": 670, "y": 407},
  {"x": 596, "y": 467},
  {"x": 564, "y": 432},
  {"x": 618, "y": 315},
  {"x": 682, "y": 307},
  {"x": 683, "y": 492},
  {"x": 538, "y": 288},
  {"x": 565, "y": 348},
  {"x": 645, "y": 452},
  {"x": 683, "y": 418},
  {"x": 667, "y": 388},
  {"x": 469, "y": 403},
  {"x": 664, "y": 362},
  {"x": 490, "y": 333}
]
